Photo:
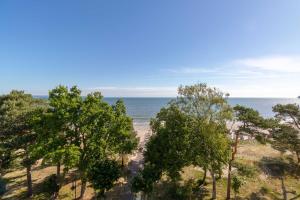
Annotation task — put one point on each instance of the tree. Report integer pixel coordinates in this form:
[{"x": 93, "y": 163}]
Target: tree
[
  {"x": 191, "y": 130},
  {"x": 18, "y": 115},
  {"x": 237, "y": 183},
  {"x": 203, "y": 102},
  {"x": 124, "y": 127},
  {"x": 286, "y": 138},
  {"x": 289, "y": 113},
  {"x": 105, "y": 131},
  {"x": 102, "y": 174},
  {"x": 286, "y": 135},
  {"x": 210, "y": 148},
  {"x": 82, "y": 132},
  {"x": 57, "y": 141},
  {"x": 250, "y": 124},
  {"x": 145, "y": 179},
  {"x": 167, "y": 150},
  {"x": 210, "y": 108}
]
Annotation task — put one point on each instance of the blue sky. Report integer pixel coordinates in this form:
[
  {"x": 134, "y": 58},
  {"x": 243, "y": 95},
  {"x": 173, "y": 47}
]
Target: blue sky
[{"x": 148, "y": 48}]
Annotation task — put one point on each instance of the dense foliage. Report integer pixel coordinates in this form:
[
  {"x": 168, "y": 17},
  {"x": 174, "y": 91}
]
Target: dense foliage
[
  {"x": 90, "y": 138},
  {"x": 19, "y": 113},
  {"x": 191, "y": 130},
  {"x": 68, "y": 130}
]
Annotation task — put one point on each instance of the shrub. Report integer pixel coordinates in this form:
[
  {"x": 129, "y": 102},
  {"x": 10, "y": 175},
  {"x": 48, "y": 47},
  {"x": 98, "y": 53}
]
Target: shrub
[
  {"x": 50, "y": 185},
  {"x": 237, "y": 183},
  {"x": 177, "y": 191},
  {"x": 245, "y": 170}
]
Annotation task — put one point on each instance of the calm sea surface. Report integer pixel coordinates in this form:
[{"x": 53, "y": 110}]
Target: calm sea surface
[{"x": 142, "y": 109}]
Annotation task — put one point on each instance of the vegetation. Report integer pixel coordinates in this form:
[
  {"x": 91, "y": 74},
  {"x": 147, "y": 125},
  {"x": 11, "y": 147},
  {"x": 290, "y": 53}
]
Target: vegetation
[
  {"x": 84, "y": 138},
  {"x": 286, "y": 136},
  {"x": 78, "y": 133},
  {"x": 18, "y": 113},
  {"x": 250, "y": 124}
]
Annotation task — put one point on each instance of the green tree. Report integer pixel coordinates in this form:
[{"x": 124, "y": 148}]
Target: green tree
[
  {"x": 210, "y": 148},
  {"x": 286, "y": 138},
  {"x": 167, "y": 150},
  {"x": 237, "y": 183},
  {"x": 251, "y": 124},
  {"x": 204, "y": 102},
  {"x": 57, "y": 141},
  {"x": 77, "y": 131},
  {"x": 102, "y": 174},
  {"x": 125, "y": 131},
  {"x": 289, "y": 113},
  {"x": 211, "y": 110},
  {"x": 191, "y": 130},
  {"x": 106, "y": 132},
  {"x": 18, "y": 115}
]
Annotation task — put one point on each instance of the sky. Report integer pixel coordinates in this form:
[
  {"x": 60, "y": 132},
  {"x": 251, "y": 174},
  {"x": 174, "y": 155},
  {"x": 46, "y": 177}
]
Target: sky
[{"x": 247, "y": 48}]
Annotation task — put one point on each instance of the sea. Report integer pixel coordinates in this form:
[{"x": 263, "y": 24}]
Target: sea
[{"x": 142, "y": 109}]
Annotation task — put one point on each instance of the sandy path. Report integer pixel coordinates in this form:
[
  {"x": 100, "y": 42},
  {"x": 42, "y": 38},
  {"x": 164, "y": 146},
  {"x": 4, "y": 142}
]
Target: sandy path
[
  {"x": 143, "y": 132},
  {"x": 123, "y": 191}
]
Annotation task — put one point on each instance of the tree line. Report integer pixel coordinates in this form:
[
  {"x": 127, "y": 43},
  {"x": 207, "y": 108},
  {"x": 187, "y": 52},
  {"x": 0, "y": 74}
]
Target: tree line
[
  {"x": 85, "y": 134},
  {"x": 90, "y": 136},
  {"x": 200, "y": 128}
]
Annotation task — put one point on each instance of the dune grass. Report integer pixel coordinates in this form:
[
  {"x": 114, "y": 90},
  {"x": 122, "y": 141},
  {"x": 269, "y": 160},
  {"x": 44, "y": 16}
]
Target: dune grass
[{"x": 274, "y": 173}]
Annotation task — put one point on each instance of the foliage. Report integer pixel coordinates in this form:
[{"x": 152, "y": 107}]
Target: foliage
[
  {"x": 77, "y": 131},
  {"x": 252, "y": 124},
  {"x": 19, "y": 113},
  {"x": 237, "y": 183},
  {"x": 210, "y": 109},
  {"x": 191, "y": 130},
  {"x": 210, "y": 146},
  {"x": 290, "y": 113},
  {"x": 50, "y": 185},
  {"x": 176, "y": 191},
  {"x": 286, "y": 138},
  {"x": 57, "y": 141},
  {"x": 245, "y": 169},
  {"x": 103, "y": 173},
  {"x": 169, "y": 147},
  {"x": 204, "y": 102},
  {"x": 145, "y": 179}
]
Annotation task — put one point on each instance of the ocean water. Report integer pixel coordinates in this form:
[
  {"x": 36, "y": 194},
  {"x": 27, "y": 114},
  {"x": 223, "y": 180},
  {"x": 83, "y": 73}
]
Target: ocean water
[{"x": 143, "y": 109}]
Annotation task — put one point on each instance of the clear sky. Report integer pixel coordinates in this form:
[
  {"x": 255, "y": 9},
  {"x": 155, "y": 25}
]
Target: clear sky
[{"x": 149, "y": 47}]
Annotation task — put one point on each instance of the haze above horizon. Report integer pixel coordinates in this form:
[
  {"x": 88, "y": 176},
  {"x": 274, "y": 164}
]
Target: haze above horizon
[{"x": 148, "y": 48}]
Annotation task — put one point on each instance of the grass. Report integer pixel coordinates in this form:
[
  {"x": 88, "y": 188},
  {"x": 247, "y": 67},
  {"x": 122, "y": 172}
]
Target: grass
[
  {"x": 266, "y": 183},
  {"x": 262, "y": 185}
]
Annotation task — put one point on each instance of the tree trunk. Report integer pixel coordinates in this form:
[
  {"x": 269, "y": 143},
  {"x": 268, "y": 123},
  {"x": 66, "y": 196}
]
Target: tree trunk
[
  {"x": 83, "y": 187},
  {"x": 229, "y": 181},
  {"x": 58, "y": 170},
  {"x": 298, "y": 157},
  {"x": 284, "y": 192},
  {"x": 204, "y": 176},
  {"x": 214, "y": 186},
  {"x": 29, "y": 181},
  {"x": 234, "y": 151}
]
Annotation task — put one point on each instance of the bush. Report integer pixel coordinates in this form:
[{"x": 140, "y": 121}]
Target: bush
[
  {"x": 264, "y": 190},
  {"x": 237, "y": 183},
  {"x": 2, "y": 186},
  {"x": 50, "y": 185},
  {"x": 245, "y": 170},
  {"x": 102, "y": 174}
]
